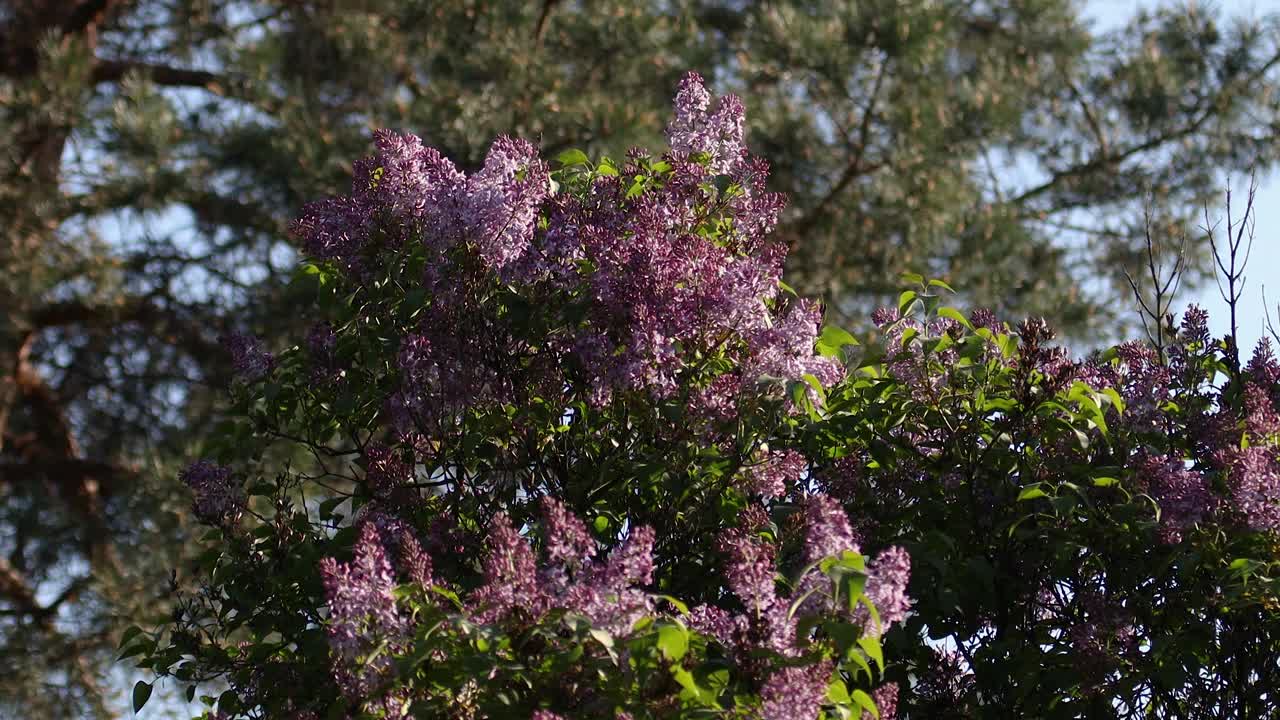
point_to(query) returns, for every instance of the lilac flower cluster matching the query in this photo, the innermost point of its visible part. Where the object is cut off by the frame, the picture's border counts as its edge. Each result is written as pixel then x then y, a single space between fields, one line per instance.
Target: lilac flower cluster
pixel 1255 485
pixel 697 128
pixel 385 471
pixel 887 577
pixel 795 693
pixel 1102 635
pixel 677 271
pixel 1143 382
pixel 947 683
pixel 767 621
pixel 886 700
pixel 219 499
pixel 907 363
pixel 366 628
pixel 1254 470
pixel 775 472
pixel 1184 495
pixel 608 593
pixel 248 358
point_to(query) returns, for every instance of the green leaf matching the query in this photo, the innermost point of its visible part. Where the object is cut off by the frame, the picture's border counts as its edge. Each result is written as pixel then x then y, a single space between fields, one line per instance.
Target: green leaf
pixel 328 506
pixel 1105 481
pixel 911 278
pixel 141 694
pixel 673 641
pixel 943 285
pixel 692 690
pixel 1031 492
pixel 904 301
pixel 677 603
pixel 837 692
pixel 832 340
pixel 130 633
pixel 871 646
pixel 572 157
pixel 951 313
pixel 604 638
pixel 865 702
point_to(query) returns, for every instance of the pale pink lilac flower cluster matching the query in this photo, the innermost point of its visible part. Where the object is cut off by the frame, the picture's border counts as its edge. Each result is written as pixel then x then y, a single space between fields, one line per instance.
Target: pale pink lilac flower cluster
pixel 1143 382
pixel 777 470
pixel 1255 485
pixel 219 498
pixel 1102 634
pixel 908 363
pixel 1254 471
pixel 385 471
pixel 697 128
pixel 947 683
pixel 887 577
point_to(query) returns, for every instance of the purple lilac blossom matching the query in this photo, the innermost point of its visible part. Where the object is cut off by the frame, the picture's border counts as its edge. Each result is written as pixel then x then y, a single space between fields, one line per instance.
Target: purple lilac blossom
pixel 660 290
pixel 502 200
pixel 1263 366
pixel 786 349
pixel 795 693
pixel 828 533
pixel 1255 486
pixel 362 616
pixel 219 499
pixel 1184 495
pixel 511 576
pixel 608 593
pixel 1260 417
pixel 1101 635
pixel 698 129
pixel 774 472
pixel 887 578
pixel 886 700
pixel 250 361
pixel 384 470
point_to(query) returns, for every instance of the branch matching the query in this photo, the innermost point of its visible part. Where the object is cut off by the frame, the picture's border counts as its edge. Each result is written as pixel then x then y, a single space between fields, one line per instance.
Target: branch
pixel 1104 159
pixel 14 588
pixel 110 71
pixel 74 312
pixel 855 166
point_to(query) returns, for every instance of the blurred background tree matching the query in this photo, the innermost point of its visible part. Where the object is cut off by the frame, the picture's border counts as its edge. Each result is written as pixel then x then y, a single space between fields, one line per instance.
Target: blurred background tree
pixel 156 150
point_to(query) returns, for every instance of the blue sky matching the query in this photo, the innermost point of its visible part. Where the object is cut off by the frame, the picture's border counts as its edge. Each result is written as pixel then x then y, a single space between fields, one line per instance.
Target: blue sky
pixel 1264 263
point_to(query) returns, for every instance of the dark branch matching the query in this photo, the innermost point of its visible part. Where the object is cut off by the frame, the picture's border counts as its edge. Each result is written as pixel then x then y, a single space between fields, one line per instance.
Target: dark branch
pixel 110 71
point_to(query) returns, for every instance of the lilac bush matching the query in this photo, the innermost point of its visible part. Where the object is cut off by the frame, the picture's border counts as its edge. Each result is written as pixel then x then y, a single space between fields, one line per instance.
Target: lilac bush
pixel 561 443
pixel 1087 538
pixel 537 456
